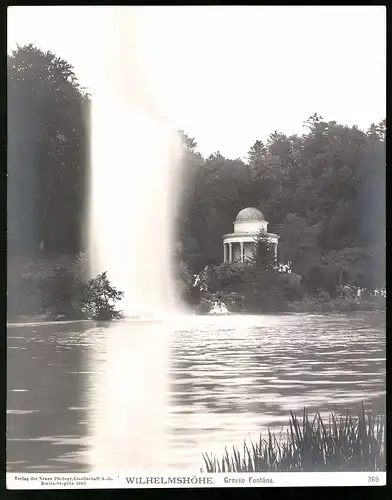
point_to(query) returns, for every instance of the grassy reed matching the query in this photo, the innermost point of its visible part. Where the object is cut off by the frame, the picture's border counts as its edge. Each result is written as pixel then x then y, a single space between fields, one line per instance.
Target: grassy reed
pixel 345 443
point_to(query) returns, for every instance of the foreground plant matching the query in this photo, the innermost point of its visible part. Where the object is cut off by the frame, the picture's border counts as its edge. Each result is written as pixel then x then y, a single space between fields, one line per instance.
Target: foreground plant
pixel 345 443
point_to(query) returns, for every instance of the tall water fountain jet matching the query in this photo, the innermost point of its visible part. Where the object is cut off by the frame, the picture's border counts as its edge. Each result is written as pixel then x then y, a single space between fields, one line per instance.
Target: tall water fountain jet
pixel 133 170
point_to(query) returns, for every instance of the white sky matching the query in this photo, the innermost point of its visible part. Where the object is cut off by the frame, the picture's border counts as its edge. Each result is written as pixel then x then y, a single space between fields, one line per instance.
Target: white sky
pixel 231 75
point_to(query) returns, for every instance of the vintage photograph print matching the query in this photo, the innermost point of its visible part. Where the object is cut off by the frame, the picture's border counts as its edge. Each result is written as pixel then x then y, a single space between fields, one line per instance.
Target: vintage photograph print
pixel 196 285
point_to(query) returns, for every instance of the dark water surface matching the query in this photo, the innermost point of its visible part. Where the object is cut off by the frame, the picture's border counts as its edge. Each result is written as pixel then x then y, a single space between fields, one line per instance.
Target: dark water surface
pixel 134 396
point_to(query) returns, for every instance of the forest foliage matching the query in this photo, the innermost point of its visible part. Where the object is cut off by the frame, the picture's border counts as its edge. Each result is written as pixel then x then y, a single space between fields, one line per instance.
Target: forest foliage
pixel 322 192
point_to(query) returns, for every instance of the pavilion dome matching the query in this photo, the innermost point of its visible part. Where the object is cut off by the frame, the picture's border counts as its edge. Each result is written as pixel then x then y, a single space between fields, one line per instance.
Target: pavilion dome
pixel 249 214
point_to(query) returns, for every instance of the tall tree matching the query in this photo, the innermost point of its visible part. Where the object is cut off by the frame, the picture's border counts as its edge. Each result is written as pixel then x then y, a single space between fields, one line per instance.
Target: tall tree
pixel 263 253
pixel 47 153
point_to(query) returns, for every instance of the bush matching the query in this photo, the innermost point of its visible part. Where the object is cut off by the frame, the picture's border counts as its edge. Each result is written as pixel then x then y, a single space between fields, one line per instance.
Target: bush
pixel 100 298
pixel 32 283
pixel 251 288
pixel 225 277
pixel 247 288
pixel 323 303
pixel 184 281
pixel 23 296
pixel 57 287
pixel 232 300
pixel 62 294
pixel 264 292
pixel 345 443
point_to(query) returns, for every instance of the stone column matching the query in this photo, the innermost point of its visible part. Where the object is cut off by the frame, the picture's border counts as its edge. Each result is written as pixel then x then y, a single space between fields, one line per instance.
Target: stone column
pixel 230 252
pixel 224 252
pixel 276 251
pixel 242 251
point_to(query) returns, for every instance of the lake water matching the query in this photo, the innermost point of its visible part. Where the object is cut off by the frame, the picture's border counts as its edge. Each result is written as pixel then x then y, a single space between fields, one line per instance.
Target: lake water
pixel 142 396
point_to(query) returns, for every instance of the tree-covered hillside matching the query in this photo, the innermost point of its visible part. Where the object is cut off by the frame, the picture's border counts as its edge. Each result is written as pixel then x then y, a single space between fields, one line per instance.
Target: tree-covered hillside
pixel 322 192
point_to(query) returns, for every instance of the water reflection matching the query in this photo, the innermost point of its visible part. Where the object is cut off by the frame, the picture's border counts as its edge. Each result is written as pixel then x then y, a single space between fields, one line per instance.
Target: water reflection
pixel 45 407
pixel 142 396
pixel 127 397
pixel 232 381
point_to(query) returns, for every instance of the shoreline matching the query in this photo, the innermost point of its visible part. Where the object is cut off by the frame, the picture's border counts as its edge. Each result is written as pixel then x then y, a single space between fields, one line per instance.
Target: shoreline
pixel 37 322
pixel 48 322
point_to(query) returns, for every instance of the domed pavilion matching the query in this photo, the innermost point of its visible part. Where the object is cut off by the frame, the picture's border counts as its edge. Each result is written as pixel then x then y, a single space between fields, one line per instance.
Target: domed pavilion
pixel 238 246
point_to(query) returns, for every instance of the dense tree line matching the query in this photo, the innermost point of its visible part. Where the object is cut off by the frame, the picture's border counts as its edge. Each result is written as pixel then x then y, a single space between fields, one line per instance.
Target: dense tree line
pixel 47 154
pixel 322 192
